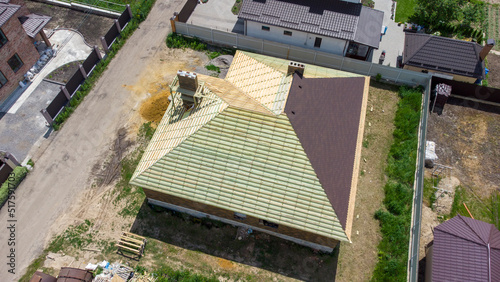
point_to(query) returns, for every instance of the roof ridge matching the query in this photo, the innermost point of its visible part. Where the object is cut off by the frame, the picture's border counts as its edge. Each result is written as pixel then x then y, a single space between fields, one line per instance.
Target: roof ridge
pixel 473 230
pixel 138 172
pixel 419 47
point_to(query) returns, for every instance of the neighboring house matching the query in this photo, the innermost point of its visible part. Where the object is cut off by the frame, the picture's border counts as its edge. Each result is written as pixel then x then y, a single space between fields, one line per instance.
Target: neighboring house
pixel 18 32
pixel 335 26
pixel 453 59
pixel 463 249
pixel 266 148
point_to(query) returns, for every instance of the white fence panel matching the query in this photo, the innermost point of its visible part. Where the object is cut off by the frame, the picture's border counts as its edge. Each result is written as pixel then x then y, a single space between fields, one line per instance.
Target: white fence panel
pixel 412 77
pixel 224 38
pixel 301 55
pixel 356 66
pixel 328 60
pixel 200 32
pixel 275 49
pixel 249 43
pixel 386 72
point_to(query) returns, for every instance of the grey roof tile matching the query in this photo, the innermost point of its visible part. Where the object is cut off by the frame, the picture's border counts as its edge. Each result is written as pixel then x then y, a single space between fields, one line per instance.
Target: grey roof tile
pixel 443 54
pixel 336 18
pixel 7 11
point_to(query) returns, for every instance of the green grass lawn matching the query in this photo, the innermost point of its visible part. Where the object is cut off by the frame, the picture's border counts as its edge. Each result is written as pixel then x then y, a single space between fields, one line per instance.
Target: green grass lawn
pixel 404 9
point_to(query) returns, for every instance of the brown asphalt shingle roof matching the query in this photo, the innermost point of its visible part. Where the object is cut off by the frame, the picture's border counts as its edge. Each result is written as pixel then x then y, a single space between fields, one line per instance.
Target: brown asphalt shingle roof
pixel 325 114
pixel 7 11
pixel 443 54
pixel 466 249
pixel 334 18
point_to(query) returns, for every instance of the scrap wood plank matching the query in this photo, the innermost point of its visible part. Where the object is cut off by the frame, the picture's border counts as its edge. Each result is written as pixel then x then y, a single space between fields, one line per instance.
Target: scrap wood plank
pixel 131 240
pixel 134 235
pixel 129 249
pixel 129 244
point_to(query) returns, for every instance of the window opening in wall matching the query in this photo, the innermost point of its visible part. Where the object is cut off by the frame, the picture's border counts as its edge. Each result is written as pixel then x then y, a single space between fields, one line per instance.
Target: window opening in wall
pixel 3 80
pixel 317 42
pixel 240 216
pixel 288 33
pixel 266 28
pixel 3 38
pixel 15 63
pixel 268 223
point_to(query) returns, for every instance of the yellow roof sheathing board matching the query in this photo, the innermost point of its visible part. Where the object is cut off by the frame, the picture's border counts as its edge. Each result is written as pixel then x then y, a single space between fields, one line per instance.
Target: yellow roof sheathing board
pixel 250 163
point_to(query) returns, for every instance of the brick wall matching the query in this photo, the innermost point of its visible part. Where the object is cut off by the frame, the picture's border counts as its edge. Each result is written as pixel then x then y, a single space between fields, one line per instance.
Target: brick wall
pixel 253 221
pixel 20 43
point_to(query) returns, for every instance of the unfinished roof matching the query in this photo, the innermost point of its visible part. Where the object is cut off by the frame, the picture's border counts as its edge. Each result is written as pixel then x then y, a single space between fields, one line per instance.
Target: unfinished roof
pixel 257 162
pixel 436 53
pixel 339 19
pixel 7 11
pixel 466 249
pixel 34 23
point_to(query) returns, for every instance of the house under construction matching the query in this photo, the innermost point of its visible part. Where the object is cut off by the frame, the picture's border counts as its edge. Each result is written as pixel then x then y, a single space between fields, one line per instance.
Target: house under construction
pixel 275 146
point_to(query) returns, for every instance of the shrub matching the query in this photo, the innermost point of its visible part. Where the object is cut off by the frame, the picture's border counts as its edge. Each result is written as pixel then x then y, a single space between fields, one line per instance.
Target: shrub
pixel 15 178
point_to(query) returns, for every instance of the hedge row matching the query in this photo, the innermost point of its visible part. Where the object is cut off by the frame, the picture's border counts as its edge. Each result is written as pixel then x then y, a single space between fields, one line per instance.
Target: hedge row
pixel 15 178
pixel 395 217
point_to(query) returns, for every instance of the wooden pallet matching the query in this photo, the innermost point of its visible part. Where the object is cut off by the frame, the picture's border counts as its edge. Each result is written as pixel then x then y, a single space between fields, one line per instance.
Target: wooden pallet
pixel 131 243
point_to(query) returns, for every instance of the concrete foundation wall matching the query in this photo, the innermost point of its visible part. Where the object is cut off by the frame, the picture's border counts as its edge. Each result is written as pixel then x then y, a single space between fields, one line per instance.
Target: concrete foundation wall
pixel 201 210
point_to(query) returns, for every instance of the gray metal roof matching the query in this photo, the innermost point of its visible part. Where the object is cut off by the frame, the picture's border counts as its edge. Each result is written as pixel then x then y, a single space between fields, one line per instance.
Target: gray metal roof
pixel 466 249
pixel 33 23
pixel 7 11
pixel 443 54
pixel 336 18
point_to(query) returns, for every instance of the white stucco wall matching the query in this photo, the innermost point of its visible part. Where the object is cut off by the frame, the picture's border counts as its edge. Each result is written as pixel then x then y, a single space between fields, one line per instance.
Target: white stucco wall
pixel 298 38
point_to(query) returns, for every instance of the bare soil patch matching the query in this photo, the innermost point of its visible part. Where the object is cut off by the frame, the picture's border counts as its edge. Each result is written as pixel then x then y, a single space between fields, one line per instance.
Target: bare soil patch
pixel 494 67
pixel 357 259
pixel 91 26
pixel 467 139
pixel 64 73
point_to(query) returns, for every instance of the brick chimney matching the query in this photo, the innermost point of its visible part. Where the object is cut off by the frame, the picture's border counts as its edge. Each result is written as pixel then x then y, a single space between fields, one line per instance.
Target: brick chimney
pixel 187 80
pixel 486 49
pixel 295 67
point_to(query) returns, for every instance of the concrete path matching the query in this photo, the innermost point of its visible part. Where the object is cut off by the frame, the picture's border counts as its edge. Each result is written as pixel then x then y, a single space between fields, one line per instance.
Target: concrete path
pixel 21 123
pixel 217 14
pixel 394 39
pixel 71 47
pixel 63 163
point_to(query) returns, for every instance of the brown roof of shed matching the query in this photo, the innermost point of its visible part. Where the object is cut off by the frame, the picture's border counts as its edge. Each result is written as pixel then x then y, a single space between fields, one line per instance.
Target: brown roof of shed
pixel 327 115
pixel 466 249
pixel 443 54
pixel 42 277
pixel 69 274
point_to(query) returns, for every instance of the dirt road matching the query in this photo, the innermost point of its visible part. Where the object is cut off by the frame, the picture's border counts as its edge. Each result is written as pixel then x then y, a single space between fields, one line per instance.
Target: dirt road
pixel 64 162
